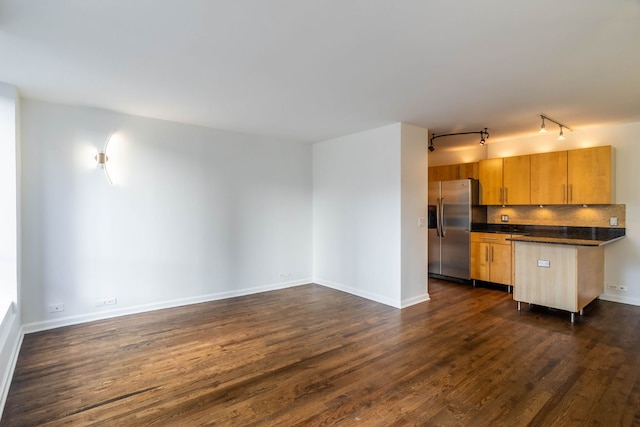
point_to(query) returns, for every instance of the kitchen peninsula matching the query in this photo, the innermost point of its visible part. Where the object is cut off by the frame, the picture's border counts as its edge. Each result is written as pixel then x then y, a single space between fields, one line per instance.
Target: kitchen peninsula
pixel 561 268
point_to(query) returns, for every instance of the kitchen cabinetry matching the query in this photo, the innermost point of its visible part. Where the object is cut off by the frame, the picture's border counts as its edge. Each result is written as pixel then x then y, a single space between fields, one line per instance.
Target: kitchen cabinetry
pixel 505 181
pixel 549 178
pixel 468 170
pixel 491 258
pixel 443 173
pixel 453 172
pixel 565 277
pixel 582 176
pixel 589 176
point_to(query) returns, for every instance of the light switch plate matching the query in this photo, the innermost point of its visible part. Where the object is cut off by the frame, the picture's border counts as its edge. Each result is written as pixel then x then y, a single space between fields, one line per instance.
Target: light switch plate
pixel 504 218
pixel 544 263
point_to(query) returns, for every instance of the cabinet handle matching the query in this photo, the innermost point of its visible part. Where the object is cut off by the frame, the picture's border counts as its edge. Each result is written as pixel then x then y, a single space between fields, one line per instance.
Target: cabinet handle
pixel 491 253
pixel 489 238
pixel 506 195
pixel 563 191
pixel 486 254
pixel 500 197
pixel 570 193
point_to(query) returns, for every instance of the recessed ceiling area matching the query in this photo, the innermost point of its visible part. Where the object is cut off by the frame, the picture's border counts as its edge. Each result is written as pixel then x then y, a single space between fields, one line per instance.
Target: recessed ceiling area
pixel 317 69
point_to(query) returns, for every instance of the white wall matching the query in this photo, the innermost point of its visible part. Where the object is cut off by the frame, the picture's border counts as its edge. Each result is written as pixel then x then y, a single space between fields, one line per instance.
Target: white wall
pixel 360 243
pixel 622 265
pixel 356 212
pixel 197 214
pixel 414 206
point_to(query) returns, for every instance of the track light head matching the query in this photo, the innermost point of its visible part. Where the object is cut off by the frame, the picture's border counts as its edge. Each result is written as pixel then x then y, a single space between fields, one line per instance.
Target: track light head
pixel 483 134
pixel 543 129
pixel 431 147
pixel 561 136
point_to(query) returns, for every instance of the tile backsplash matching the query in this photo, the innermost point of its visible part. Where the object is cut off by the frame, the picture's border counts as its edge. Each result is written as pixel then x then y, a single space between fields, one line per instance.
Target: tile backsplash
pixel 559 215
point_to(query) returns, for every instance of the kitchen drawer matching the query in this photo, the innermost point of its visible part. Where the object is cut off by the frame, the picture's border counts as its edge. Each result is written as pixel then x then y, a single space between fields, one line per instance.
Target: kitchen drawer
pixel 500 238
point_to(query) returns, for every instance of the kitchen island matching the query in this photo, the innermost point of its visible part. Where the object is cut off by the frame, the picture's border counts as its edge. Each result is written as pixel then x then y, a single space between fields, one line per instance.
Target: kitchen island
pixel 563 271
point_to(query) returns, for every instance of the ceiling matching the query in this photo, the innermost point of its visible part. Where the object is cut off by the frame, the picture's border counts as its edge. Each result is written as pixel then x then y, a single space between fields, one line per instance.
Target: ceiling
pixel 311 70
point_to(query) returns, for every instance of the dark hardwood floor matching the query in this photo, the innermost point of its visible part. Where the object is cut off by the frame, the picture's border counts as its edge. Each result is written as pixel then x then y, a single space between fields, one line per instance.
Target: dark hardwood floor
pixel 315 356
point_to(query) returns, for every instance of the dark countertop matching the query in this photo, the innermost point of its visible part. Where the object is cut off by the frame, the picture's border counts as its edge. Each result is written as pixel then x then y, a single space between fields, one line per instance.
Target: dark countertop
pixel 581 236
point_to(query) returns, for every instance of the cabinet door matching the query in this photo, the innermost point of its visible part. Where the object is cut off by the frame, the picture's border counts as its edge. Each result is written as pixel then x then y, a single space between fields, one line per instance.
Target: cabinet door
pixel 468 170
pixel 443 173
pixel 549 178
pixel 480 261
pixel 500 257
pixel 589 175
pixel 490 174
pixel 517 180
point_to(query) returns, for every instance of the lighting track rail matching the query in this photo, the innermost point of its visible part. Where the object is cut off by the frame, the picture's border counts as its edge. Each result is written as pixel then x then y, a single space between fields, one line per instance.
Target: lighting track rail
pixel 483 136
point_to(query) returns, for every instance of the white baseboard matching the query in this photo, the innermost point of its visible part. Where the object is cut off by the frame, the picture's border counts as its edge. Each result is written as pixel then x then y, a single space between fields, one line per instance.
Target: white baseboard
pixel 359 292
pixel 90 317
pixel 373 297
pixel 415 300
pixel 620 299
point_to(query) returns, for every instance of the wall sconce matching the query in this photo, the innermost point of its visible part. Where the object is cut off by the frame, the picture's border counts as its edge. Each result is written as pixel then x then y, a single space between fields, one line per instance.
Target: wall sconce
pixel 543 129
pixel 102 159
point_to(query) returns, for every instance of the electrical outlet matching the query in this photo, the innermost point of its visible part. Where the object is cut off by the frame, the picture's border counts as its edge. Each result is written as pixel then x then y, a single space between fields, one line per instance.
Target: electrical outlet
pixel 285 275
pixel 55 308
pixel 421 222
pixel 544 263
pixel 617 287
pixel 504 218
pixel 106 301
pixel 613 221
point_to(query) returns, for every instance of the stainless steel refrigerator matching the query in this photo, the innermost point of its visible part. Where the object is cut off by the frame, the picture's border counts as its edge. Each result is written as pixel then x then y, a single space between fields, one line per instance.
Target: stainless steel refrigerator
pixel 453 210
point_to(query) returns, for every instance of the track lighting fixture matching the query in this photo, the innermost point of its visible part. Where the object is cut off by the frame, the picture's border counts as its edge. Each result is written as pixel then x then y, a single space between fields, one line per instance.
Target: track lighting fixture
pixel 562 126
pixel 484 135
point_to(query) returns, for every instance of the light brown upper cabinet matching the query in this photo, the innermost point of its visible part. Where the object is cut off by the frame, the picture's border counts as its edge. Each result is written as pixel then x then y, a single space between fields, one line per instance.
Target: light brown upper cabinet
pixel 549 178
pixel 468 170
pixel 443 173
pixel 451 172
pixel 490 172
pixel 577 177
pixel 505 181
pixel 589 176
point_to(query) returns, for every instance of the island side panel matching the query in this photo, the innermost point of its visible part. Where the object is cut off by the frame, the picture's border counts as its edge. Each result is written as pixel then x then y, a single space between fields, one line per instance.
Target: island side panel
pixel 590 274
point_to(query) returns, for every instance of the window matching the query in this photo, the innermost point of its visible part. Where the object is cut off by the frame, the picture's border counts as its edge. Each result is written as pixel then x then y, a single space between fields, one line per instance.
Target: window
pixel 8 199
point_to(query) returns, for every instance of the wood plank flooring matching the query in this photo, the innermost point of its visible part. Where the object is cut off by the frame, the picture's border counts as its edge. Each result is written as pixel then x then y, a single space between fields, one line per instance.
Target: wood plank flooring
pixel 315 356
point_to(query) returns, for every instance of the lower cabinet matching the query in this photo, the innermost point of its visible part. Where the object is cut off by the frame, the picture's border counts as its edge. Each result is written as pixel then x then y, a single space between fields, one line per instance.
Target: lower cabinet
pixel 566 277
pixel 491 258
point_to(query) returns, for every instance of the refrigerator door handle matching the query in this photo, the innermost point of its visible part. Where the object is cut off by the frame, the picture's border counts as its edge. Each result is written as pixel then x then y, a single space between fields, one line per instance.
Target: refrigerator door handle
pixel 443 231
pixel 438 231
